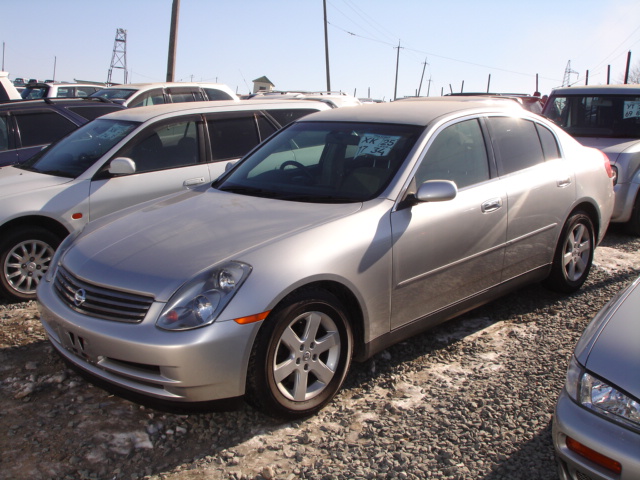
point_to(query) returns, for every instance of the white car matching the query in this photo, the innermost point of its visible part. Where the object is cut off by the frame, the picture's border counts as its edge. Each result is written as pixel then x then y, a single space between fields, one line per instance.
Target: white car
pixel 146 94
pixel 58 90
pixel 116 161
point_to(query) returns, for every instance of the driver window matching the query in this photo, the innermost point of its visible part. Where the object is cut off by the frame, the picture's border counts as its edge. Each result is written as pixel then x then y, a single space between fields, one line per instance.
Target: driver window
pixel 170 145
pixel 458 153
pixel 152 97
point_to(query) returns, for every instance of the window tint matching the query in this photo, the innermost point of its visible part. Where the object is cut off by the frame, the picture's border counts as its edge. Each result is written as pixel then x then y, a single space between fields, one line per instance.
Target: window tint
pixel 232 137
pixel 42 128
pixel 165 146
pixel 182 95
pixel 85 91
pixel 549 143
pixel 215 94
pixel 152 97
pixel 286 116
pixel 65 92
pixel 4 134
pixel 458 153
pixel 91 112
pixel 516 143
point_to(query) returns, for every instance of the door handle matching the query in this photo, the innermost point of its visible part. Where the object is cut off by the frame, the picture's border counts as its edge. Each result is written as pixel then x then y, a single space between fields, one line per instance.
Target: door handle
pixel 563 182
pixel 193 181
pixel 491 205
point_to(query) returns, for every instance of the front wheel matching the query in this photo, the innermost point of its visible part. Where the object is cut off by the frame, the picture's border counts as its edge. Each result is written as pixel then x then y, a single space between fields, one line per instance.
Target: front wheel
pixel 25 256
pixel 301 356
pixel 574 255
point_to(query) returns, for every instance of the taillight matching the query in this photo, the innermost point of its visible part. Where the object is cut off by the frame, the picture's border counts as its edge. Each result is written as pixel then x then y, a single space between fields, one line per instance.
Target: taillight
pixel 612 172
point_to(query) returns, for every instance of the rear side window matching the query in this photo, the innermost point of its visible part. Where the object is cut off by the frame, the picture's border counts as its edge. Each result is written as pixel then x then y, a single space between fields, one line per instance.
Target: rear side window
pixel 42 128
pixel 286 116
pixel 214 94
pixel 516 143
pixel 93 111
pixel 185 94
pixel 549 143
pixel 232 137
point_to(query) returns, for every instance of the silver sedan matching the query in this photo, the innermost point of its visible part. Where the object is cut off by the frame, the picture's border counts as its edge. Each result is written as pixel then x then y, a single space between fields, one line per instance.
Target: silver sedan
pixel 596 428
pixel 341 235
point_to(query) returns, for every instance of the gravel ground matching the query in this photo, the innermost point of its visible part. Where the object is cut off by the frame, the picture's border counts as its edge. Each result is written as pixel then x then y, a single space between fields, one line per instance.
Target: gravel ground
pixel 471 399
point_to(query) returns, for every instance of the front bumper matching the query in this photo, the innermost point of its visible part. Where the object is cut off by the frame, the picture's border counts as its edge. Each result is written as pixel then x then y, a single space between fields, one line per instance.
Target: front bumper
pixel 597 433
pixel 208 363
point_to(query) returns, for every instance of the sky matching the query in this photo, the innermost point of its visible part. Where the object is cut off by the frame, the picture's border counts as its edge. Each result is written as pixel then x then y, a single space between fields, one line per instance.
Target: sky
pixel 508 46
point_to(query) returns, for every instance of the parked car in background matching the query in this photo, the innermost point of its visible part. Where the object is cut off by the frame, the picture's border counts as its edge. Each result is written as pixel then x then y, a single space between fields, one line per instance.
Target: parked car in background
pixel 27 126
pixel 528 102
pixel 116 161
pixel 146 94
pixel 19 82
pixel 8 90
pixel 606 117
pixel 596 426
pixel 58 90
pixel 347 231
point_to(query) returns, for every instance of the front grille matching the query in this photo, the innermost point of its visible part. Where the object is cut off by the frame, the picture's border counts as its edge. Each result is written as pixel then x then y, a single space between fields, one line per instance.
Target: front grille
pixel 582 476
pixel 100 302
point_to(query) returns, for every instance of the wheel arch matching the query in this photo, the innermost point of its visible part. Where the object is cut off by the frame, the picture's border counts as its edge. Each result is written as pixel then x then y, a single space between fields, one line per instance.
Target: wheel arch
pixel 594 215
pixel 50 224
pixel 349 301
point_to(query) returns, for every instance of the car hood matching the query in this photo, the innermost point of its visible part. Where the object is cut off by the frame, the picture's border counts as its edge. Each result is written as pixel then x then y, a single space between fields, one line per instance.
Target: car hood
pixel 612 147
pixel 159 246
pixel 614 349
pixel 15 180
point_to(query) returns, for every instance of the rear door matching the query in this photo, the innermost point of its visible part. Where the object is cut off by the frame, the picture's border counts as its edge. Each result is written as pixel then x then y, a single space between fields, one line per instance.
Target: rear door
pixel 540 189
pixel 445 252
pixel 169 157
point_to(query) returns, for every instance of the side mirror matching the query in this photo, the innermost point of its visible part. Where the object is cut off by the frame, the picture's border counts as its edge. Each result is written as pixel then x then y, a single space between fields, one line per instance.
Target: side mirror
pixel 122 166
pixel 436 191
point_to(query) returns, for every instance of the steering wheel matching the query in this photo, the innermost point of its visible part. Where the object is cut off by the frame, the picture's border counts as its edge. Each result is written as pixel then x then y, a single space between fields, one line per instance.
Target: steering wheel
pixel 298 165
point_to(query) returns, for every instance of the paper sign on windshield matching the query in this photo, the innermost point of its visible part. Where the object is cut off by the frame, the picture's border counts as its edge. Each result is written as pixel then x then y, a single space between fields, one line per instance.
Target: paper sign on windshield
pixel 376 145
pixel 631 109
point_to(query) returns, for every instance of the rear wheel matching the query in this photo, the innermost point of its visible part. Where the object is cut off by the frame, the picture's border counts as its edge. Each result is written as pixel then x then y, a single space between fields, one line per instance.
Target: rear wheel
pixel 25 257
pixel 574 255
pixel 633 225
pixel 301 356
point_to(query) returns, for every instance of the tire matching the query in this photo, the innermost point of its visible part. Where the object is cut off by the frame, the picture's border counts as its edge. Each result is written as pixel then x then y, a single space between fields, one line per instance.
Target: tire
pixel 25 255
pixel 633 225
pixel 574 255
pixel 300 357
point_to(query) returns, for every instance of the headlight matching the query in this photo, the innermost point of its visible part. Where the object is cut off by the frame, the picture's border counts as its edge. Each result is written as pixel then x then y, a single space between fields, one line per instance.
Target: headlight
pixel 602 398
pixel 199 302
pixel 60 251
pixel 609 401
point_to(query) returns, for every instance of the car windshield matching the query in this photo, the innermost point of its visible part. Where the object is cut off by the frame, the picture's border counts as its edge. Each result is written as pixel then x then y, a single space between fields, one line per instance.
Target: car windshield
pixel 324 162
pixel 616 116
pixel 76 152
pixel 113 93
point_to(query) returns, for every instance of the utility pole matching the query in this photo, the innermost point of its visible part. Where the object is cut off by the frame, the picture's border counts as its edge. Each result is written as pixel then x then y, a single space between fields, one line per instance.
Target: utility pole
pixel 424 66
pixel 626 72
pixel 173 41
pixel 326 45
pixel 395 90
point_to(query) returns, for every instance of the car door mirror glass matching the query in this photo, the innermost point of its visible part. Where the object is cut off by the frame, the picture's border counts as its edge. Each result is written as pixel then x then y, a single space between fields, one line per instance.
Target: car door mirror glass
pixel 122 166
pixel 436 191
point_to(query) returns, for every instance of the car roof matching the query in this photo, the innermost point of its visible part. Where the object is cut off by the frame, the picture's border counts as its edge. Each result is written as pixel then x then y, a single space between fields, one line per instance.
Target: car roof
pixel 598 89
pixel 141 86
pixel 61 102
pixel 416 111
pixel 143 114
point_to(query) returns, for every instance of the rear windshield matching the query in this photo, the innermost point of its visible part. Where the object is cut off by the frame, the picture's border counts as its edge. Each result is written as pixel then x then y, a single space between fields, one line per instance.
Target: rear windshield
pixel 616 116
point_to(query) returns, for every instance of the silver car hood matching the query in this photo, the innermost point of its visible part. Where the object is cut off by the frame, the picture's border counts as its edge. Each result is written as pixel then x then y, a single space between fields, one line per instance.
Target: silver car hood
pixel 614 350
pixel 612 147
pixel 159 246
pixel 15 180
